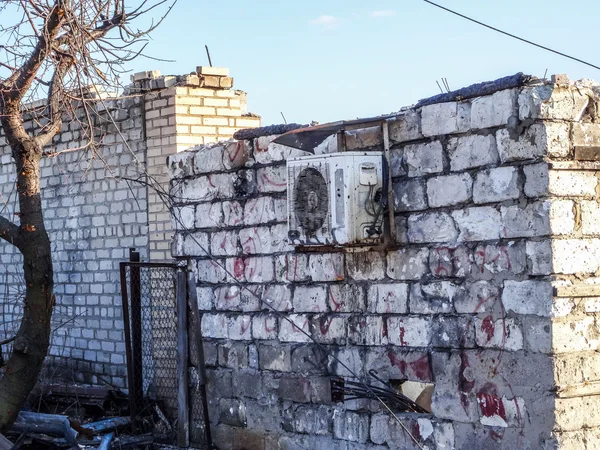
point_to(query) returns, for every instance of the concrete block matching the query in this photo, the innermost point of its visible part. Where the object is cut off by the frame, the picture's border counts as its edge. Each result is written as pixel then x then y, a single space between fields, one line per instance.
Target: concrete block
pixel 449 190
pixel 272 179
pixel 351 426
pixel 310 299
pixel 224 243
pixel 407 264
pixel 477 224
pixel 445 118
pixel 536 179
pixel 179 164
pixel 431 227
pixel 494 110
pixel 473 151
pixel 236 154
pixel 364 138
pixel 365 266
pixel 274 357
pixel 329 329
pixel 571 183
pixel 259 269
pixel 367 330
pixel 507 258
pixel 421 159
pixel 538 140
pixel 388 298
pixel 314 420
pixel 552 102
pixel 496 185
pixel 539 257
pixel 240 327
pixel 214 326
pixel 215 71
pixel 531 221
pixel 530 297
pixel 264 326
pixel 259 210
pixel 405 127
pixel 296 329
pixel 409 331
pixel 409 195
pixel 208 215
pixel 233 213
pixel 278 296
pixel 502 333
pixel 450 261
pixel 228 298
pixel 346 298
pixel 478 297
pixel 208 159
pixel 326 267
pixel 433 298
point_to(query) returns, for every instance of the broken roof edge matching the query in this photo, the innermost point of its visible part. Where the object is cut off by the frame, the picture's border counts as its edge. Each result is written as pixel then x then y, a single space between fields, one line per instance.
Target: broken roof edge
pixel 481 89
pixel 269 130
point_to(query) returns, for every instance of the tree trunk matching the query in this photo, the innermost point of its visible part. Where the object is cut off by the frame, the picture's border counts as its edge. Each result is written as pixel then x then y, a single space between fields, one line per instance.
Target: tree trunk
pixel 32 340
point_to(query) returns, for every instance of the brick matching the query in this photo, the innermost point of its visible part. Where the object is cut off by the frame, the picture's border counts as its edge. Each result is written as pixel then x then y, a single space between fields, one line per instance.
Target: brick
pixel 477 224
pixel 431 227
pixel 215 71
pixel 449 190
pixel 571 256
pixel 494 110
pixel 496 185
pixel 445 118
pixel 409 195
pixel 422 159
pixel 469 152
pixel 562 217
pixel 590 218
pixel 407 264
pixel 570 183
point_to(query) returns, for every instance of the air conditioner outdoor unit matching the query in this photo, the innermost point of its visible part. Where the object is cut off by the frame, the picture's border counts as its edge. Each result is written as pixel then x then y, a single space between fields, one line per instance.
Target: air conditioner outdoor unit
pixel 336 199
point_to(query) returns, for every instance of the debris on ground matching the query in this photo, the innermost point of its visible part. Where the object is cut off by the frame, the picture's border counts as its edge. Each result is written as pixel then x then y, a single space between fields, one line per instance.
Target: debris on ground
pixel 85 417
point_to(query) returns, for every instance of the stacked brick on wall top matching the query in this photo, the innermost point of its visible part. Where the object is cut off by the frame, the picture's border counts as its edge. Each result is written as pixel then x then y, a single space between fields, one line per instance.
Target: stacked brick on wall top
pixel 494 213
pixel 94 215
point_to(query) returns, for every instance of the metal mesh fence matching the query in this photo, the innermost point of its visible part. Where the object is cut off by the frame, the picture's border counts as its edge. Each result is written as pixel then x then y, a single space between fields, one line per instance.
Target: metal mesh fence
pixel 152 336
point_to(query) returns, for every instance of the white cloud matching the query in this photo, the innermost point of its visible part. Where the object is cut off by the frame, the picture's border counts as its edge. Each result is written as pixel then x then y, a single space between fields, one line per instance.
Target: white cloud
pixel 383 13
pixel 326 21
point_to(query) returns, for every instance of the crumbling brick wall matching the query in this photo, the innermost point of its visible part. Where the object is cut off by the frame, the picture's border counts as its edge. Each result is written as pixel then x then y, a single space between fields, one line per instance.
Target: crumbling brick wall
pixel 94 216
pixel 493 214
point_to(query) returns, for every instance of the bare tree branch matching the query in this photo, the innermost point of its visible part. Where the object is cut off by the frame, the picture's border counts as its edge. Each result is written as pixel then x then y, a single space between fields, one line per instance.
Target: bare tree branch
pixel 9 232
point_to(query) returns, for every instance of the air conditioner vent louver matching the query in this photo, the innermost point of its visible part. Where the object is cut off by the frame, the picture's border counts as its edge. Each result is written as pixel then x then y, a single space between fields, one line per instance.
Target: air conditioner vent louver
pixel 311 200
pixel 332 199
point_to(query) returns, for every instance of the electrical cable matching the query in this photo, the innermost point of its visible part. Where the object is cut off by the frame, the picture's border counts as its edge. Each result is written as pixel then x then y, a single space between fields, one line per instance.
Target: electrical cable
pixel 513 35
pixel 166 198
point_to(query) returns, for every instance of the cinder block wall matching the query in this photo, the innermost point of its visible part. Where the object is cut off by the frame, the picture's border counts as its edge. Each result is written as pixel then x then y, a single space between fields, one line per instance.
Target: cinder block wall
pixel 493 214
pixel 94 216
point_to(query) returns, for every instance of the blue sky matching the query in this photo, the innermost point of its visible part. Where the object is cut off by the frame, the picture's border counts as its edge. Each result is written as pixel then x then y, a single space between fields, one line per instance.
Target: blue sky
pixel 332 59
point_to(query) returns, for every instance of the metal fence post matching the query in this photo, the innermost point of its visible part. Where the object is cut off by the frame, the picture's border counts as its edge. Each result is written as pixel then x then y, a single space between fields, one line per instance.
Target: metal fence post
pixel 136 335
pixel 183 430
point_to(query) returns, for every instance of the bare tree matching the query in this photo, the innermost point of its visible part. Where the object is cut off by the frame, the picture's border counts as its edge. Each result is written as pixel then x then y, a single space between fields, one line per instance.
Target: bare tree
pixel 53 49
